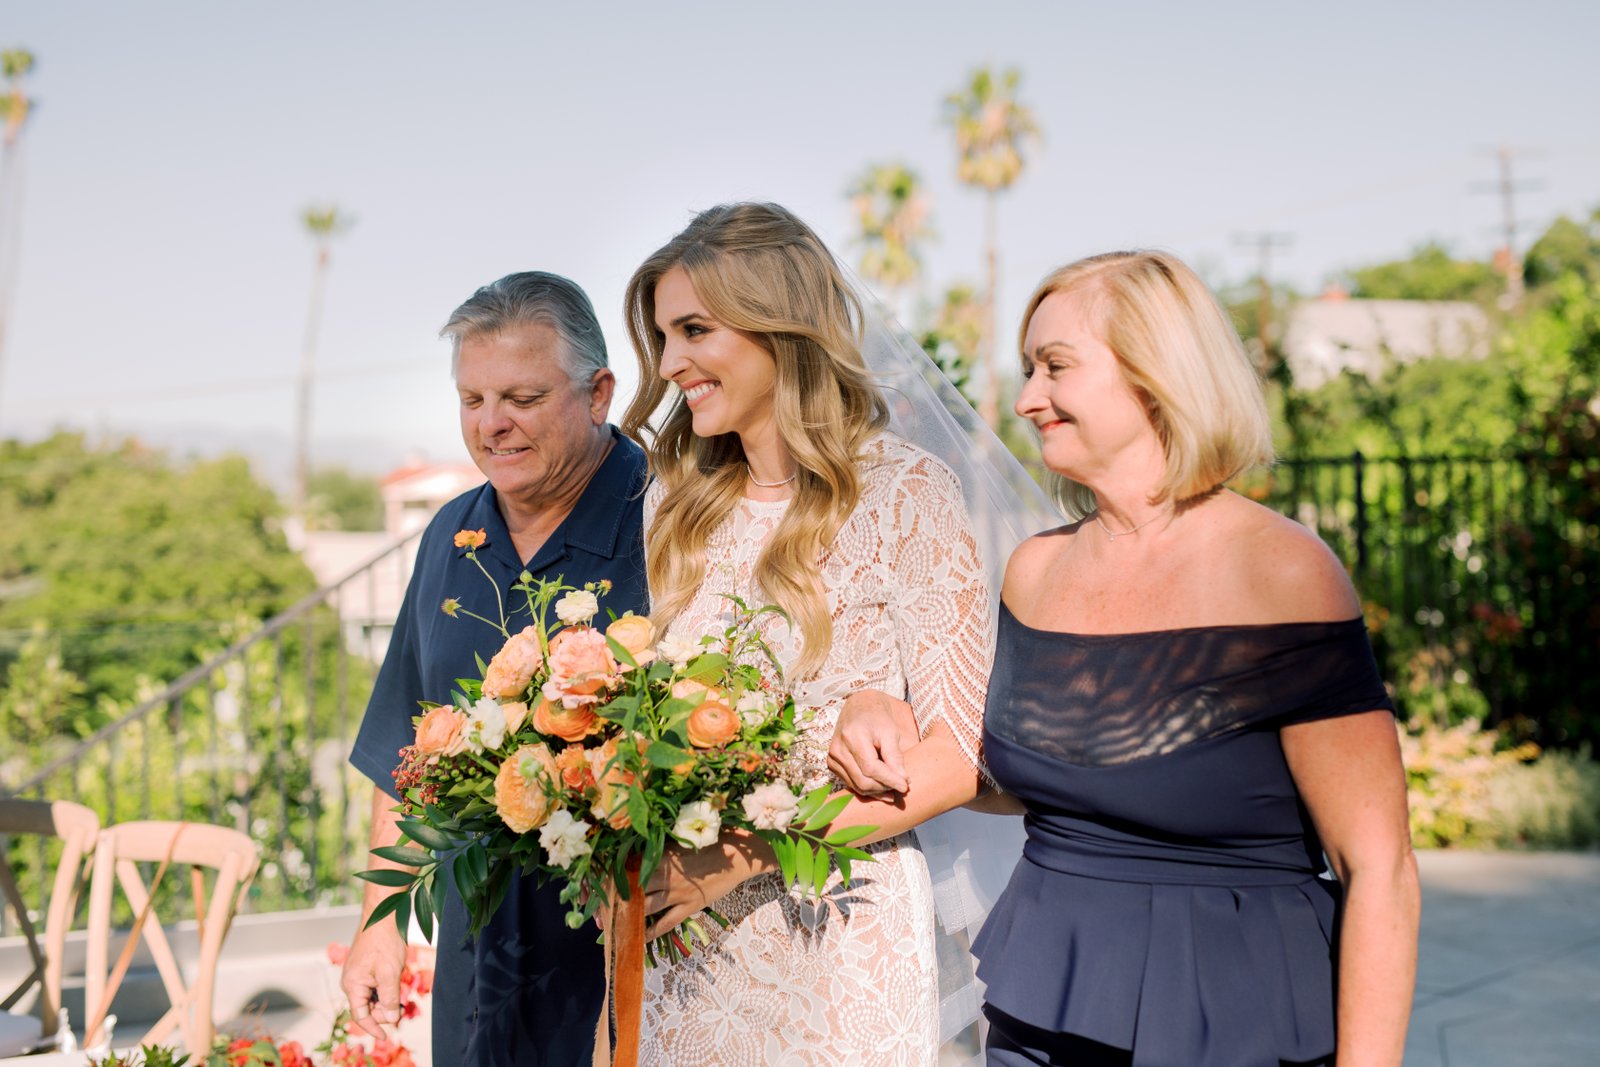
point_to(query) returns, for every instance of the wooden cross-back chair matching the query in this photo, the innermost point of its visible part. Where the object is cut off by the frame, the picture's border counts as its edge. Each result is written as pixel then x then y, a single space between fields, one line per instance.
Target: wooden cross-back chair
pixel 77 827
pixel 199 847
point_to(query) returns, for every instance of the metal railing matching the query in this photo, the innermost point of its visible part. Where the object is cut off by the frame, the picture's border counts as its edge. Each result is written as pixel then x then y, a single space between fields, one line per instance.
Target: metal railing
pixel 1481 570
pixel 256 738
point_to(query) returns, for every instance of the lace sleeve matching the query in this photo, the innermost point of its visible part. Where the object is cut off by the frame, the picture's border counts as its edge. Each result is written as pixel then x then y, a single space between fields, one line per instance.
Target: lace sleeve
pixel 942 618
pixel 652 502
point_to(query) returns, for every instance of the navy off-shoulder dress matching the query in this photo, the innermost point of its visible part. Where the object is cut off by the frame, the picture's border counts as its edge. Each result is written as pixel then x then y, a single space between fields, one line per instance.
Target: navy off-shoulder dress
pixel 1170 908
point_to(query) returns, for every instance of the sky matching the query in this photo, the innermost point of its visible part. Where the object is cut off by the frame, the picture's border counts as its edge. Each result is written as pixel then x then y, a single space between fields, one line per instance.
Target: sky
pixel 163 274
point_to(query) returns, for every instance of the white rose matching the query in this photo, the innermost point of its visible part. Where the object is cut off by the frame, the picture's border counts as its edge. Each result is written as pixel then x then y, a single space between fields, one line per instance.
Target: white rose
pixel 698 824
pixel 486 725
pixel 576 607
pixel 564 839
pixel 677 651
pixel 771 806
pixel 753 709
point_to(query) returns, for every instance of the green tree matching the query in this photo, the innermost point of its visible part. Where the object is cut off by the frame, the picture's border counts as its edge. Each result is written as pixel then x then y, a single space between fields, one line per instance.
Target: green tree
pixel 992 129
pixel 954 334
pixel 132 561
pixel 1429 273
pixel 344 500
pixel 892 214
pixel 323 224
pixel 1567 247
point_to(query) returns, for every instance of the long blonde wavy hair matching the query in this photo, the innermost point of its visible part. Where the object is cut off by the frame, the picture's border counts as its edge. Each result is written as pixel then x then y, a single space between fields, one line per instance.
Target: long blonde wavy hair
pixel 757 268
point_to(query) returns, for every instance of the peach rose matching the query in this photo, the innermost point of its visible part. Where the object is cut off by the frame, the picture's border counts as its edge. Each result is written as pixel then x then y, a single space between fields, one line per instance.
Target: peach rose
pixel 442 732
pixel 516 714
pixel 519 788
pixel 634 633
pixel 569 724
pixel 713 723
pixel 581 666
pixel 572 764
pixel 611 801
pixel 513 667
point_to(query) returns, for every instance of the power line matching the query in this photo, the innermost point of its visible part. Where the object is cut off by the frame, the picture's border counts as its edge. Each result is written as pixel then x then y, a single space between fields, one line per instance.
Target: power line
pixel 1506 188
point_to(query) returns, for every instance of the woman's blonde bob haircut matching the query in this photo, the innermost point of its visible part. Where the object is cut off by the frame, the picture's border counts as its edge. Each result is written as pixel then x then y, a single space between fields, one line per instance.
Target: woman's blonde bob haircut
pixel 1181 355
pixel 759 269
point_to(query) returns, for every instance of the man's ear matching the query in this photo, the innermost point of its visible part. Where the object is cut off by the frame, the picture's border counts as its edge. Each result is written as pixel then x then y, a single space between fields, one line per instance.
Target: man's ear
pixel 602 387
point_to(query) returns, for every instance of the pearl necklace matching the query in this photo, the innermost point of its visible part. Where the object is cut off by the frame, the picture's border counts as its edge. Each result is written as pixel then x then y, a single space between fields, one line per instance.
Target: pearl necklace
pixel 1110 536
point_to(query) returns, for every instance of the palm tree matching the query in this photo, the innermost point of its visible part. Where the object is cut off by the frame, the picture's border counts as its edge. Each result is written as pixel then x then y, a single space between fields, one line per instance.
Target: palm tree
pixel 323 223
pixel 15 107
pixel 893 215
pixel 991 130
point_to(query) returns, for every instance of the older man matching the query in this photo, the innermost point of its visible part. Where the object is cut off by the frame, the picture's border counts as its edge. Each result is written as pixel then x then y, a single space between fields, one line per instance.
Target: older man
pixel 564 497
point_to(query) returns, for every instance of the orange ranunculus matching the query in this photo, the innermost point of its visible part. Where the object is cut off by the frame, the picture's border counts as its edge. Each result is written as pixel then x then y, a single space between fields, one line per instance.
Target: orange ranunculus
pixel 636 634
pixel 750 762
pixel 581 666
pixel 512 668
pixel 713 722
pixel 293 1054
pixel 572 764
pixel 471 539
pixel 519 795
pixel 442 732
pixel 569 724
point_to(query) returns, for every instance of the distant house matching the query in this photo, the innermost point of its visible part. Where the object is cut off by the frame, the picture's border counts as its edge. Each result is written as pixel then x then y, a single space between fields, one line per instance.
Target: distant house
pixel 1335 333
pixel 368 604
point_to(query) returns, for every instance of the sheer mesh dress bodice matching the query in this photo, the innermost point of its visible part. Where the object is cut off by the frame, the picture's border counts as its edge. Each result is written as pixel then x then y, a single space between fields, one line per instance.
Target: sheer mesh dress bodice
pixel 1168 901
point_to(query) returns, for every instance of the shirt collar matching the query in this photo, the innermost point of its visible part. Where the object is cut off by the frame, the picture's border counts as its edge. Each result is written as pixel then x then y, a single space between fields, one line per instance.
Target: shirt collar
pixel 595 523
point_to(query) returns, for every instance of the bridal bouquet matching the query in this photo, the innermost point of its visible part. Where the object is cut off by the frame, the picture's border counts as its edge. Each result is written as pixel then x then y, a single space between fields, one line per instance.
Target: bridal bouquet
pixel 582 750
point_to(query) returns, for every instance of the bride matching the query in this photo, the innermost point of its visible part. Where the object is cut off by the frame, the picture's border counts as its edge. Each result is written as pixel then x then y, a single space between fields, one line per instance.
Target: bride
pixel 776 480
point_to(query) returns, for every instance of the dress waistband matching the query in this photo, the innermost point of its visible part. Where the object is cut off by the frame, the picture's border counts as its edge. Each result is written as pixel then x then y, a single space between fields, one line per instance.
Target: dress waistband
pixel 1160 870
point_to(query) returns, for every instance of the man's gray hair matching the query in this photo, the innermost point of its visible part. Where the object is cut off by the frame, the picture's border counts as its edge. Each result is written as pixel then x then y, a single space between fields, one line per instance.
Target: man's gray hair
pixel 533 297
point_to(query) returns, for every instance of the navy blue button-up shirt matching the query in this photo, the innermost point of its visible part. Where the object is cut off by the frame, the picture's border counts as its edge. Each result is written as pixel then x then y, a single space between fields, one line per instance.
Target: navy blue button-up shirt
pixel 527 990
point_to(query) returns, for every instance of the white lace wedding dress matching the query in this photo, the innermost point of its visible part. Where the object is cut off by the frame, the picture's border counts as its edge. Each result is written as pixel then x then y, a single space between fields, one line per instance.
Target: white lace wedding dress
pixel 852 979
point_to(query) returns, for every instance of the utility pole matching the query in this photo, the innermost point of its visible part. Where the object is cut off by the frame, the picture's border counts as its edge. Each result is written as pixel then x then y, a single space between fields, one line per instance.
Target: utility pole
pixel 1506 188
pixel 1263 243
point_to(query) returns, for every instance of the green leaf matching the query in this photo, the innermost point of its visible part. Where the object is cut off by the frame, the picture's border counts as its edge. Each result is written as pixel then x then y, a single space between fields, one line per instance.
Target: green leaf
pixel 638 810
pixel 846 834
pixel 783 848
pixel 480 861
pixel 410 857
pixel 843 863
pixel 424 911
pixel 708 666
pixel 661 754
pixel 389 906
pixel 852 854
pixel 805 860
pixel 461 869
pixel 819 874
pixel 621 652
pixel 810 803
pixel 385 876
pixel 427 836
pixel 483 668
pixel 820 818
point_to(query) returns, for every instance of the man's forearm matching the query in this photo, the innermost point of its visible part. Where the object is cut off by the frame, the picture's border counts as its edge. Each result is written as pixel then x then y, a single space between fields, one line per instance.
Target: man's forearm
pixel 385 831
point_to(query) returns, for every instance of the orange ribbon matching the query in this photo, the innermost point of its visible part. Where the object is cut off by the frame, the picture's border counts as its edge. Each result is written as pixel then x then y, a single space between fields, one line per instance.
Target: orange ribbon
pixel 624 977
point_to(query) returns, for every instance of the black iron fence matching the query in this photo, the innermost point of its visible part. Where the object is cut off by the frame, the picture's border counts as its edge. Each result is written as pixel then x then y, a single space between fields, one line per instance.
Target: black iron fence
pixel 1479 577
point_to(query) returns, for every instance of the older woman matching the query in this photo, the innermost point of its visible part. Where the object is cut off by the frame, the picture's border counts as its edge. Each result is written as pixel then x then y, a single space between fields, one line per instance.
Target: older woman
pixel 1185 706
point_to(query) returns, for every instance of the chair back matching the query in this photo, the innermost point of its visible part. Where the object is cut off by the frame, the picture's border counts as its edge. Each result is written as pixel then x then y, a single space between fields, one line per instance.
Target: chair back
pixel 78 828
pixel 173 846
